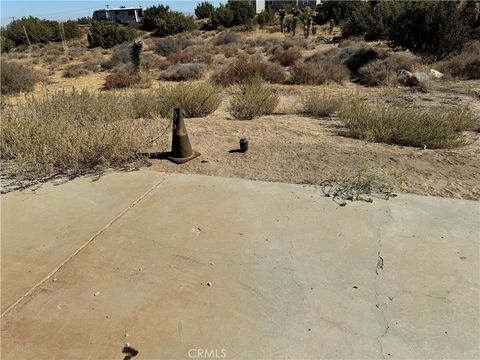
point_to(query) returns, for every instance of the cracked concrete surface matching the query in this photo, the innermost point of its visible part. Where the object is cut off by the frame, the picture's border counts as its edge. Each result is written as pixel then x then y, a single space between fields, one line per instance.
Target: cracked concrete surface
pixel 291 274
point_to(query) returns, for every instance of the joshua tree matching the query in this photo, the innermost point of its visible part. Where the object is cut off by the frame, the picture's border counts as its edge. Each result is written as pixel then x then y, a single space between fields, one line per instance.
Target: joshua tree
pixel 296 14
pixel 306 17
pixel 135 54
pixel 282 13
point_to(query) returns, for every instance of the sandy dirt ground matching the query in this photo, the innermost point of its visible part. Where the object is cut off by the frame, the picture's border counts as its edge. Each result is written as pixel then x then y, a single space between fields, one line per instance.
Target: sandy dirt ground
pixel 287 147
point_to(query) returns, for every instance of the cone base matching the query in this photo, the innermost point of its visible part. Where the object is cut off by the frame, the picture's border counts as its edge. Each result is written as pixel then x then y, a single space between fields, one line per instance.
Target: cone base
pixel 183 160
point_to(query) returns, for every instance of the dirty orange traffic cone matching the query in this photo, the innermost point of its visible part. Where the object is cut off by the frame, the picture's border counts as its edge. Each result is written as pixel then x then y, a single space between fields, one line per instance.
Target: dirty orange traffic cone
pixel 181 148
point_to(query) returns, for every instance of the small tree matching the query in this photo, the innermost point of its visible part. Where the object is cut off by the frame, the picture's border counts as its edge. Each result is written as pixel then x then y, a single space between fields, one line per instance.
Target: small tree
pixel 108 35
pixel 266 17
pixel 431 29
pixel 204 10
pixel 242 11
pixel 222 16
pixel 135 54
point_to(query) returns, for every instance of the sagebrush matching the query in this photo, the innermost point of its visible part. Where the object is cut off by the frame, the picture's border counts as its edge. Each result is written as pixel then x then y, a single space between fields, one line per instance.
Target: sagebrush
pixel 73 133
pixel 432 129
pixel 253 98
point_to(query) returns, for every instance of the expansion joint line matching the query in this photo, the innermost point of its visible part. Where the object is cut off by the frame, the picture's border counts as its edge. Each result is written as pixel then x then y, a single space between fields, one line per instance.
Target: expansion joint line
pixel 76 252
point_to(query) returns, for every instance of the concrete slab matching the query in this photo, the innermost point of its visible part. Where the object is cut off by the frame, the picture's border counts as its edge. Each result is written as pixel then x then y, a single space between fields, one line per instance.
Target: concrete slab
pixel 42 228
pixel 291 275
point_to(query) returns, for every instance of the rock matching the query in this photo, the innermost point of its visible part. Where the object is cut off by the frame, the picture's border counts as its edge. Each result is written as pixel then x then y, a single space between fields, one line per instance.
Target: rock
pixel 421 77
pixel 434 74
pixel 407 78
pixel 97 293
pixel 209 283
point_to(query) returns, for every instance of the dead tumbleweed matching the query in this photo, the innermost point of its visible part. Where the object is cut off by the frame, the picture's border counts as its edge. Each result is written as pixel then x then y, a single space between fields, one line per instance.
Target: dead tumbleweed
pixel 362 185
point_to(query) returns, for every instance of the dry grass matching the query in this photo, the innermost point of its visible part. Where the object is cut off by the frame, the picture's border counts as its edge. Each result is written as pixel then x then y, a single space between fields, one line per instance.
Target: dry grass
pixel 318 73
pixel 385 71
pixel 82 69
pixel 183 72
pixel 465 65
pixel 128 80
pixel 253 98
pixel 196 99
pixel 73 133
pixel 287 57
pixel 245 67
pixel 17 78
pixel 418 128
pixel 321 104
pixel 226 38
pixel 170 45
pixel 194 54
pixel 362 183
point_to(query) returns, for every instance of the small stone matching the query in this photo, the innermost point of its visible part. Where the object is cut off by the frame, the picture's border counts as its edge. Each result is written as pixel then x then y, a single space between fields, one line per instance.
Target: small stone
pixel 97 293
pixel 126 335
pixel 54 279
pixel 212 263
pixel 355 287
pixel 127 344
pixel 209 283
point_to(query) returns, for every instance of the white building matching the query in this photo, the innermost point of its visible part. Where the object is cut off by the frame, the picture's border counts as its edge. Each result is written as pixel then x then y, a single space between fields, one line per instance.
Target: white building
pixel 260 5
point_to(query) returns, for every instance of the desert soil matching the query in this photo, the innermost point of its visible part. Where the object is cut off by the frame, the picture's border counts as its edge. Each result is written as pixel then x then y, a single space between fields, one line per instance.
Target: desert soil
pixel 287 147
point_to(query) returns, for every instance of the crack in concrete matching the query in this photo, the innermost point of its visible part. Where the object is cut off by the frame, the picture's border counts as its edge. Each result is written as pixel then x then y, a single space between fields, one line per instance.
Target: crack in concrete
pixel 76 252
pixel 379 266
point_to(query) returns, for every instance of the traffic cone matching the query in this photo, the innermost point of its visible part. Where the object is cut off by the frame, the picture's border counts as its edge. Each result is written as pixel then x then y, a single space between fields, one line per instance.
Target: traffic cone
pixel 181 148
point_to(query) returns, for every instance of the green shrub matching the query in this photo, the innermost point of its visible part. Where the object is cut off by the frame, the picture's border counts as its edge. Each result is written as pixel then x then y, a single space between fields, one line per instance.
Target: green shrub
pixel 252 99
pixel 107 35
pixel 266 17
pixel 242 12
pixel 5 44
pixel 204 10
pixel 236 12
pixel 409 127
pixel 336 11
pixel 222 16
pixel 321 104
pixel 163 22
pixel 195 99
pixel 16 78
pixel 429 28
pixel 84 20
pixel 39 31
